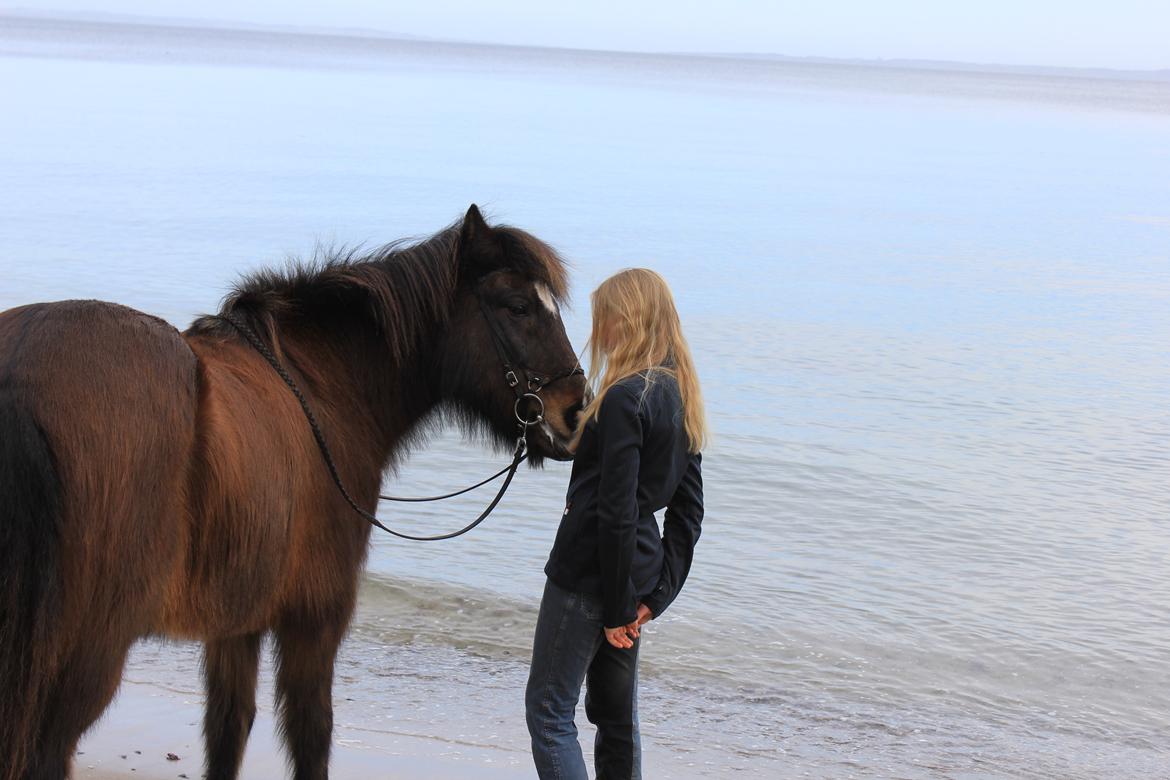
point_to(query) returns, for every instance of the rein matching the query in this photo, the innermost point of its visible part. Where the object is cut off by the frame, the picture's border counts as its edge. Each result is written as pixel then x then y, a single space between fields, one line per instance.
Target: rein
pixel 535 384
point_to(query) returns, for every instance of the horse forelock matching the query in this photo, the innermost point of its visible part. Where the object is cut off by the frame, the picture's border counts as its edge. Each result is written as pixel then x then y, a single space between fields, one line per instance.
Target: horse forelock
pixel 537 260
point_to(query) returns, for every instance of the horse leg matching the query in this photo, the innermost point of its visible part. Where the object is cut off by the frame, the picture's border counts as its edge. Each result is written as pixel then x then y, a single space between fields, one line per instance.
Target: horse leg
pixel 306 650
pixel 229 672
pixel 77 695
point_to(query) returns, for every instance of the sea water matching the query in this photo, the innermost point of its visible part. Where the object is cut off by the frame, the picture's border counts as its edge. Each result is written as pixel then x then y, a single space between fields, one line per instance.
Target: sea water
pixel 930 310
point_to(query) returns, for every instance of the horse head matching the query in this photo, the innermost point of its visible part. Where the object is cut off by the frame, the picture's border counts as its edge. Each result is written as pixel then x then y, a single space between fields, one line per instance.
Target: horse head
pixel 506 356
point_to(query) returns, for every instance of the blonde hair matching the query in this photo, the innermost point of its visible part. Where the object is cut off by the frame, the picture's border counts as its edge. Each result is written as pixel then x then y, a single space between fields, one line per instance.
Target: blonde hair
pixel 637 311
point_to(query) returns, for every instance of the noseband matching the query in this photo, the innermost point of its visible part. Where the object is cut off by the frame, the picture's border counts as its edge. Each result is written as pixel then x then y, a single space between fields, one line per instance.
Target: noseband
pixel 531 393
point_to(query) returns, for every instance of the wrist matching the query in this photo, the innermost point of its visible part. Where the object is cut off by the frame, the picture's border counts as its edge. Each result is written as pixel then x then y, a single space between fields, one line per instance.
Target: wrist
pixel 656 603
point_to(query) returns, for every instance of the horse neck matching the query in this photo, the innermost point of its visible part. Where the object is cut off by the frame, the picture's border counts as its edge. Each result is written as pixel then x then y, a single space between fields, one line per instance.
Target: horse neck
pixel 372 400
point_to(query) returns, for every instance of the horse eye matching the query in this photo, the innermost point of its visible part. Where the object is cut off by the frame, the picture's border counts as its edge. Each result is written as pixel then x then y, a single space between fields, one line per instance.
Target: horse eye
pixel 519 311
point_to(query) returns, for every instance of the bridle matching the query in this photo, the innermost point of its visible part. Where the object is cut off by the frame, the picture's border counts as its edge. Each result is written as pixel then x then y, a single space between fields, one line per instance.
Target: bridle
pixel 534 383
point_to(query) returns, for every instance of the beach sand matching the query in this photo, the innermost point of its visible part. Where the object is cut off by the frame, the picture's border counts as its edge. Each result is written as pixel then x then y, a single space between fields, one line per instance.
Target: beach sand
pixel 146 722
pixel 400 711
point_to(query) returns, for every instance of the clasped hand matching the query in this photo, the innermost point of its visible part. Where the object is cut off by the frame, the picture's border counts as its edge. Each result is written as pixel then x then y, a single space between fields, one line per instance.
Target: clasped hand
pixel 622 637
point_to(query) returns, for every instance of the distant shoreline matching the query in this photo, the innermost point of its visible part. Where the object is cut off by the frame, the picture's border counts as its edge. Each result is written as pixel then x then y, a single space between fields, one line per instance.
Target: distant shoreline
pixel 154 43
pixel 366 35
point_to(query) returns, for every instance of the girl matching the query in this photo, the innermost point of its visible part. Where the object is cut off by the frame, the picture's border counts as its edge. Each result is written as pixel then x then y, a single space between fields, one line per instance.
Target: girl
pixel 637 451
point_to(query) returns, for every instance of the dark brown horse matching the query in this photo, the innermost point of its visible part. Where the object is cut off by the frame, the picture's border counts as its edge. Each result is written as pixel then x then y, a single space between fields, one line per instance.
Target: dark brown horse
pixel 162 483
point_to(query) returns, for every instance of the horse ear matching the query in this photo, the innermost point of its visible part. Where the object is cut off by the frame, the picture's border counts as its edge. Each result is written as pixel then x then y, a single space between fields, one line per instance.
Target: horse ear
pixel 474 224
pixel 479 249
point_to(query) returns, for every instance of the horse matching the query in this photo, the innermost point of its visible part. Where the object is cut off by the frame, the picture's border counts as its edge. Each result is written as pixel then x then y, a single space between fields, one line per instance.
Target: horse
pixel 163 484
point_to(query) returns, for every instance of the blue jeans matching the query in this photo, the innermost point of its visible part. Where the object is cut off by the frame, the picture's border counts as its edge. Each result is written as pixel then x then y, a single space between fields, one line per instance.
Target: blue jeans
pixel 569 648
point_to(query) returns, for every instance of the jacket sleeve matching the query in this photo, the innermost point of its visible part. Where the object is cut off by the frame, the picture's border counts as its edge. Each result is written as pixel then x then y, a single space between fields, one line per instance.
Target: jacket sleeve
pixel 680 532
pixel 619 440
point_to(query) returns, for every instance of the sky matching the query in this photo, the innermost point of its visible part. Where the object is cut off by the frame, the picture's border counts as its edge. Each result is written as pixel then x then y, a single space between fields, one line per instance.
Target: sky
pixel 1127 34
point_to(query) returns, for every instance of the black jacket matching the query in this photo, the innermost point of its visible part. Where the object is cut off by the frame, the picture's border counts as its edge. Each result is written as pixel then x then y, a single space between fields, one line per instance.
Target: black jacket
pixel 631 462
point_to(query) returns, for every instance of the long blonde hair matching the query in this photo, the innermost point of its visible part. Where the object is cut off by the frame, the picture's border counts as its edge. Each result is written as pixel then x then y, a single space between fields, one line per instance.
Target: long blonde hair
pixel 635 308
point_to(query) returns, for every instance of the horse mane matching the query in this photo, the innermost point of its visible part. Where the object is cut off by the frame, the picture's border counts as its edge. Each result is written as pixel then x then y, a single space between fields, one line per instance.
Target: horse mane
pixel 405 287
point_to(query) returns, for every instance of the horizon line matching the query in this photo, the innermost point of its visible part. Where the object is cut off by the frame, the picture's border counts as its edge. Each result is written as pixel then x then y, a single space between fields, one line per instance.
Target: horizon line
pixel 371 33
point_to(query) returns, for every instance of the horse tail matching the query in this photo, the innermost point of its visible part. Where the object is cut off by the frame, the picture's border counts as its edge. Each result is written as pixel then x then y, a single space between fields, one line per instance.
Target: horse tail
pixel 30 529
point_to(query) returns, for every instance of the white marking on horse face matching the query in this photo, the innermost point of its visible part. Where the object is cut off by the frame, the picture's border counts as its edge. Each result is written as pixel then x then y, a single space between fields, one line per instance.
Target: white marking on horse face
pixel 545 296
pixel 547 431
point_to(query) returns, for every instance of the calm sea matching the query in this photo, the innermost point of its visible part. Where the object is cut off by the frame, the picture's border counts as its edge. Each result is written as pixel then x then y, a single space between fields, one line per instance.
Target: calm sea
pixel 931 312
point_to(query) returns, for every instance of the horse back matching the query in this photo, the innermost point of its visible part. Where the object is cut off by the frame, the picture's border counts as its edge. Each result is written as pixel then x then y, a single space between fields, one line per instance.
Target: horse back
pixel 193 501
pixel 112 393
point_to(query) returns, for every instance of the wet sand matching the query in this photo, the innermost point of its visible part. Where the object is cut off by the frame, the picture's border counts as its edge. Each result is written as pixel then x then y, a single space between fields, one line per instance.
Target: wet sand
pixel 147 722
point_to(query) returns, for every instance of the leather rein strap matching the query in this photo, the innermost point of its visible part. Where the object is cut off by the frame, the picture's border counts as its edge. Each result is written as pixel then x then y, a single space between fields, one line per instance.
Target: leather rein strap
pixel 535 384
